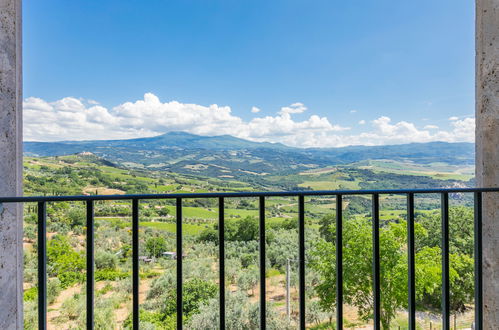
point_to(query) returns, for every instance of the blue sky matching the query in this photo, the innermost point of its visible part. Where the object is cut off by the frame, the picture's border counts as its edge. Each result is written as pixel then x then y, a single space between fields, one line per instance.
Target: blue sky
pixel 352 63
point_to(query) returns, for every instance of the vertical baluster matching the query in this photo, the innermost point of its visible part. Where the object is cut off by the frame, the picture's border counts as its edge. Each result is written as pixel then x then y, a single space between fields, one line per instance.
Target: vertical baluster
pixel 135 262
pixel 301 238
pixel 221 258
pixel 90 264
pixel 478 262
pixel 376 271
pixel 179 255
pixel 42 265
pixel 445 261
pixel 411 262
pixel 263 319
pixel 339 262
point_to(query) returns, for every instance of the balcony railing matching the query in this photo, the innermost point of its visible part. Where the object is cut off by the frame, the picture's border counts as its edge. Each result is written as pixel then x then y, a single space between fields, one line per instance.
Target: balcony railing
pixel 338 194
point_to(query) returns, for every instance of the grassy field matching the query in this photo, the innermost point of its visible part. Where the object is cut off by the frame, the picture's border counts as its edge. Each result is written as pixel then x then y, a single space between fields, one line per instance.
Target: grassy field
pixel 170 227
pixel 438 171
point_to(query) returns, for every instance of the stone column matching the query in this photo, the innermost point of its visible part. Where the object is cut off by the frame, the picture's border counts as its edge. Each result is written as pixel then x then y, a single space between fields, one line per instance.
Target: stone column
pixel 11 247
pixel 487 148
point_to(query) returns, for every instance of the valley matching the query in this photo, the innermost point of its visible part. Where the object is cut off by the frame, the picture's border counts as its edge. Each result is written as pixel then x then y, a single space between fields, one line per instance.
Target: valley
pixel 90 171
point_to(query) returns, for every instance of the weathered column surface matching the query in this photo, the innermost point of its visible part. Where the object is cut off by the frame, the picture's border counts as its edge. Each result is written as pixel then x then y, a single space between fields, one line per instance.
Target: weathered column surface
pixel 11 284
pixel 487 148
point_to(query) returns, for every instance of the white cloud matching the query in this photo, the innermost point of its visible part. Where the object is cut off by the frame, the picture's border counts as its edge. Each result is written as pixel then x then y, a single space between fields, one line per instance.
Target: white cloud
pixel 353 111
pixel 255 110
pixel 293 108
pixel 453 118
pixel 431 127
pixel 73 119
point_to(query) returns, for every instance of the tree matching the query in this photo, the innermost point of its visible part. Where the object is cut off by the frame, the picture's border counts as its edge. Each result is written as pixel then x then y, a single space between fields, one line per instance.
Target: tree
pixel 240 314
pixel 63 261
pixel 77 216
pixel 429 277
pixel 163 211
pixel 208 235
pixel 155 246
pixel 248 278
pixel 282 245
pixel 461 222
pixel 325 227
pixel 246 229
pixel 461 227
pixel 195 292
pixel 357 263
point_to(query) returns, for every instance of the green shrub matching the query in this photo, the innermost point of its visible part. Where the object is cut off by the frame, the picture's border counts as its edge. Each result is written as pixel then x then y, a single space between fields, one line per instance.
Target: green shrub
pixel 30 315
pixel 72 307
pixel 161 285
pixel 69 278
pixel 110 275
pixel 53 289
pixel 158 320
pixel 272 272
pixel 208 235
pixel 195 292
pixel 148 274
pixel 62 258
pixel 31 294
pixel 105 260
pixel 77 216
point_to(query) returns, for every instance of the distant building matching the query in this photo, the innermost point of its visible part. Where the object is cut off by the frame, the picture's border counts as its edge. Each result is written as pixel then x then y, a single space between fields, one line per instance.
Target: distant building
pixel 146 259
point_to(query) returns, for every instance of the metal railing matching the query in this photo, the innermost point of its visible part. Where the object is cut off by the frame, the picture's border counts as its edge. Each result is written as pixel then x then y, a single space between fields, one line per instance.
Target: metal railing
pixel 338 194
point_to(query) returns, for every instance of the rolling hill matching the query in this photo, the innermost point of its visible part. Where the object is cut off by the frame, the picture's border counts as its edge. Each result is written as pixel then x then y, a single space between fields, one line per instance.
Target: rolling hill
pixel 228 157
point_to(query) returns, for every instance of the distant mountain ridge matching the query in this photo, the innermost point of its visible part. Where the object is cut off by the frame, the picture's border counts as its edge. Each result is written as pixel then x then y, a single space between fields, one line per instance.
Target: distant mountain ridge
pixel 227 155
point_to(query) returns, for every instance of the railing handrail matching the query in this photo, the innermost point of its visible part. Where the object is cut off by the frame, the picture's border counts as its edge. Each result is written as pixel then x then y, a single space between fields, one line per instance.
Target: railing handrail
pixel 337 194
pixel 68 198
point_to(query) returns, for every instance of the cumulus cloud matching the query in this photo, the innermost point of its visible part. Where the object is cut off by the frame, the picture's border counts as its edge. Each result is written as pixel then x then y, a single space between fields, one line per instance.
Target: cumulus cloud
pixel 293 108
pixel 362 122
pixel 255 110
pixel 74 119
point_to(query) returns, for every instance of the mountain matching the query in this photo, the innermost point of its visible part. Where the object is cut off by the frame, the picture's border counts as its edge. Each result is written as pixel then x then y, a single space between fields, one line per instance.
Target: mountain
pixel 227 156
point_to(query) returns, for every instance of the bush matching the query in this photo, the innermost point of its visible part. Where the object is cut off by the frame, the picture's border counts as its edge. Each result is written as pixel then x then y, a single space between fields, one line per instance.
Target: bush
pixel 105 260
pixel 110 275
pixel 69 278
pixel 77 216
pixel 72 307
pixel 31 294
pixel 243 315
pixel 208 235
pixel 157 320
pixel 30 315
pixel 195 292
pixel 161 285
pixel 63 259
pixel 148 274
pixel 30 232
pixel 53 289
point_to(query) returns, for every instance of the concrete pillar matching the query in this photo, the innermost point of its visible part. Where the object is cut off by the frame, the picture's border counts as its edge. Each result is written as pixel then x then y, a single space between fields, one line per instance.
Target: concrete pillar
pixel 11 260
pixel 487 148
